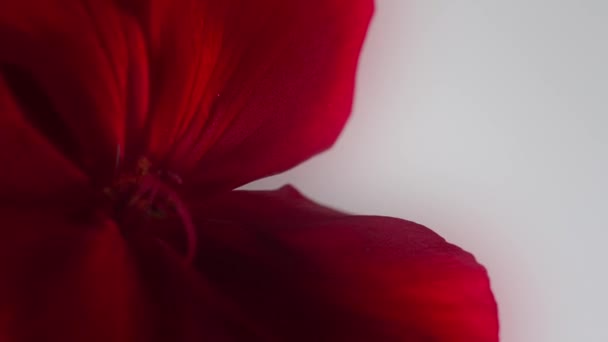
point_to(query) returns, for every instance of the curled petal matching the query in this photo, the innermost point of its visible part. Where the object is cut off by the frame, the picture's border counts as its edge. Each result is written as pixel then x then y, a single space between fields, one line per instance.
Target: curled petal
pixel 308 273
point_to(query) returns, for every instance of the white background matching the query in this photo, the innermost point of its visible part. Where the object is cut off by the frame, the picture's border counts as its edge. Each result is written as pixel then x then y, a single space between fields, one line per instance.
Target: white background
pixel 488 122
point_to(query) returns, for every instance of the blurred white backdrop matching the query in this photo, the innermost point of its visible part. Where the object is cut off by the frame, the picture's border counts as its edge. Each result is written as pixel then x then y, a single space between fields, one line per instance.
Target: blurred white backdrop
pixel 488 122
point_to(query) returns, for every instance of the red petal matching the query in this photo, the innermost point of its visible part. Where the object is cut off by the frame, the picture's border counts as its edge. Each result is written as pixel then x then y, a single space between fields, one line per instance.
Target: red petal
pixel 228 91
pixel 244 89
pixel 65 279
pixel 307 273
pixel 76 68
pixel 31 168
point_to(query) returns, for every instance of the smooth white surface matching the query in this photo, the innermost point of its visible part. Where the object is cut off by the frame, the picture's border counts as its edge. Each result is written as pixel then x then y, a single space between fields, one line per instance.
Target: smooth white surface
pixel 488 122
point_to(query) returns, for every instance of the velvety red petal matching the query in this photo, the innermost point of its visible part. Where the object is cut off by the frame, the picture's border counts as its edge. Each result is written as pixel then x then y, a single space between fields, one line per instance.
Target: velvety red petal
pixel 31 169
pixel 64 281
pixel 244 89
pixel 307 273
pixel 224 92
pixel 70 279
pixel 77 68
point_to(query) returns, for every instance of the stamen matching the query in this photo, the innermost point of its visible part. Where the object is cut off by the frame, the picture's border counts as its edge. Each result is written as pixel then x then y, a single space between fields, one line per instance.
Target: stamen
pixel 150 194
pixel 117 163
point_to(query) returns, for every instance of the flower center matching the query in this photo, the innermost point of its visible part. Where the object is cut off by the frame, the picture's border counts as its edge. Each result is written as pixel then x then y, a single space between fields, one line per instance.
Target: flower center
pixel 150 194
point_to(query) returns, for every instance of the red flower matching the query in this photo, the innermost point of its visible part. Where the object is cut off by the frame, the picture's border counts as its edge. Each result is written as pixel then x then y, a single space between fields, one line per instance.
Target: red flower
pixel 125 124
